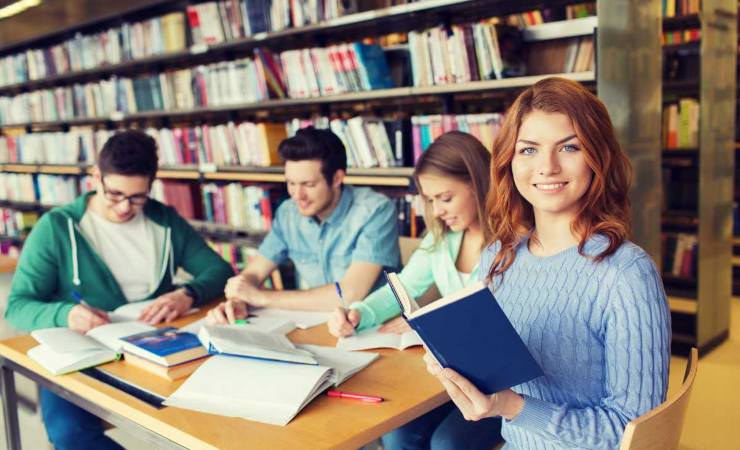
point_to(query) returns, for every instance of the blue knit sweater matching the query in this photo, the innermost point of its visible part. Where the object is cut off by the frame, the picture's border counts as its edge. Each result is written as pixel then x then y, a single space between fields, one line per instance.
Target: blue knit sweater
pixel 601 333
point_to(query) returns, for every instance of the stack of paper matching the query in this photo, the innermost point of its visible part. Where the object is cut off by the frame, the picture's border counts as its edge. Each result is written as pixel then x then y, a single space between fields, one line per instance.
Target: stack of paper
pixel 265 391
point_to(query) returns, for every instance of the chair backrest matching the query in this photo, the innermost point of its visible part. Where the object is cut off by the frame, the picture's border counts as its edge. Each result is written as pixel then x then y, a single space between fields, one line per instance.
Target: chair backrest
pixel 408 246
pixel 660 428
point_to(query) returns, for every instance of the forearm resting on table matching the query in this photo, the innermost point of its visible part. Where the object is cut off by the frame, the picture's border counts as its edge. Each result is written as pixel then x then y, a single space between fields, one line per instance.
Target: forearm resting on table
pixel 356 284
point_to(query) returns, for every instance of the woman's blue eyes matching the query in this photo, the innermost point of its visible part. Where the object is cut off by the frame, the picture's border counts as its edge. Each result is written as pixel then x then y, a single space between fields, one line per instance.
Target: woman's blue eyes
pixel 531 150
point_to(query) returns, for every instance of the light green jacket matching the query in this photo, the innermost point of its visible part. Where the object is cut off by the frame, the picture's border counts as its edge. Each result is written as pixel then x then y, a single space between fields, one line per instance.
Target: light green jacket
pixel 428 265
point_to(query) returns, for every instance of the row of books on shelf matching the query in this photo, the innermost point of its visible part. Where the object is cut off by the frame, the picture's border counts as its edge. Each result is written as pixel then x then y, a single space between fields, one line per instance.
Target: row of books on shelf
pixel 40 188
pixel 680 253
pixel 239 81
pixel 676 8
pixel 216 22
pixel 576 54
pixel 14 223
pixel 681 36
pixel 245 207
pixel 245 144
pixel 207 23
pixel 438 56
pixel 462 53
pixel 115 45
pixel 552 14
pixel 370 141
pixel 681 124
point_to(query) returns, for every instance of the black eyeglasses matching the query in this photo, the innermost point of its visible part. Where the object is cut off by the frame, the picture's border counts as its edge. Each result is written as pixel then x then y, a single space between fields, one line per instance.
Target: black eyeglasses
pixel 118 197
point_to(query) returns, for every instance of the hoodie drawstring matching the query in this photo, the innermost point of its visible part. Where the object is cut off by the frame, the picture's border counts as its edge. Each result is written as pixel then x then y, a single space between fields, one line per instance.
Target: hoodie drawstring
pixel 75 265
pixel 172 254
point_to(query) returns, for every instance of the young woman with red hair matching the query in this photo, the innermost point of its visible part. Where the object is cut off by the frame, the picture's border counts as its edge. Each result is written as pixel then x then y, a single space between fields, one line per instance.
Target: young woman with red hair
pixel 588 303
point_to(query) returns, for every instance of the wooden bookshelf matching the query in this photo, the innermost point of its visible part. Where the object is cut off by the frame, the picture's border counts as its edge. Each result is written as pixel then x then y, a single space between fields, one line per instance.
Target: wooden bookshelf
pixel 351 26
pixel 683 305
pixel 713 161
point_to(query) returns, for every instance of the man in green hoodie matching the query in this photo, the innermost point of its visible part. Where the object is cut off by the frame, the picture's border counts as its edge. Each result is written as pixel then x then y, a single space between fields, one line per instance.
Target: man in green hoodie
pixel 109 247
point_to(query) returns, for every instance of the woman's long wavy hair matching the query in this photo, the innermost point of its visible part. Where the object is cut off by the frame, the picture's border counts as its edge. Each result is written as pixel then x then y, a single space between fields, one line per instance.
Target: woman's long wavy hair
pixel 605 207
pixel 459 156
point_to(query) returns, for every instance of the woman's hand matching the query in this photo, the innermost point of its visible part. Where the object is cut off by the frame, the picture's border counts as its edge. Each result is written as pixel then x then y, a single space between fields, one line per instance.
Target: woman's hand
pixel 472 403
pixel 342 323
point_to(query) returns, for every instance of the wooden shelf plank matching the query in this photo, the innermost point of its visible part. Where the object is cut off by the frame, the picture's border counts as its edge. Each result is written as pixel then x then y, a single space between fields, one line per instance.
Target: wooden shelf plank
pixel 64 170
pixel 560 29
pixel 683 305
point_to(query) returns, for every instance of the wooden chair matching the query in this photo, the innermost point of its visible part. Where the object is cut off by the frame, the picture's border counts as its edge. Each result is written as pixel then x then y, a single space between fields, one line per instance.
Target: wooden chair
pixel 408 246
pixel 660 428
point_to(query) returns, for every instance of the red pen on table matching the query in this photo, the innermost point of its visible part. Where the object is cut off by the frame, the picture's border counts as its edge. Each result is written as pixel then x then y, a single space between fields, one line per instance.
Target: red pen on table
pixel 353 396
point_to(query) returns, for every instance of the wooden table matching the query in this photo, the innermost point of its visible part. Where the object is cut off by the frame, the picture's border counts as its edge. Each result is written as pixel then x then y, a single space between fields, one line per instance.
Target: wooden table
pixel 398 376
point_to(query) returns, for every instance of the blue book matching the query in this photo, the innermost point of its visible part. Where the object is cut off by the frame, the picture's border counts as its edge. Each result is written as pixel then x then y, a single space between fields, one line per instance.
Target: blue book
pixel 164 346
pixel 467 331
pixel 373 67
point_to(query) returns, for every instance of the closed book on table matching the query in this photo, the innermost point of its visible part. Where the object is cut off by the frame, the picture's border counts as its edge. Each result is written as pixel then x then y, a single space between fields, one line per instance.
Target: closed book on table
pixel 467 331
pixel 165 346
pixel 170 373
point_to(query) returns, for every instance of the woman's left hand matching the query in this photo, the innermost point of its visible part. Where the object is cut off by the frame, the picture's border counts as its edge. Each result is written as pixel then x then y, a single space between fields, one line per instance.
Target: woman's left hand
pixel 472 403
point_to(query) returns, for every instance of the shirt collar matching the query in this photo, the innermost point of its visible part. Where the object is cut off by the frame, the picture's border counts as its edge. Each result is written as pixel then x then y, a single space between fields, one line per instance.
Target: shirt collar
pixel 346 196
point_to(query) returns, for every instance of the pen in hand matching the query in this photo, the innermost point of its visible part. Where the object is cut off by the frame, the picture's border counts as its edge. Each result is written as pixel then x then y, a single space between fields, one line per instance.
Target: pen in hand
pixel 342 303
pixel 341 297
pixel 80 301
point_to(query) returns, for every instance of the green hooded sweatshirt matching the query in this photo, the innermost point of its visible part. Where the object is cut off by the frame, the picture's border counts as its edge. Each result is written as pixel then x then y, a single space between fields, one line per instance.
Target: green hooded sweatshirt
pixel 57 259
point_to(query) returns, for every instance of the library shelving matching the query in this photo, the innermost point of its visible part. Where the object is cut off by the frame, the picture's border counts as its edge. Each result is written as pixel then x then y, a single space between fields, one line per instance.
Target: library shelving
pixel 617 45
pixel 699 96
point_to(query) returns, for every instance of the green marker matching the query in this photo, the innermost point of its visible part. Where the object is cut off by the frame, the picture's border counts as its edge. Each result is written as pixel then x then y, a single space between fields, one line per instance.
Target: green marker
pixel 241 322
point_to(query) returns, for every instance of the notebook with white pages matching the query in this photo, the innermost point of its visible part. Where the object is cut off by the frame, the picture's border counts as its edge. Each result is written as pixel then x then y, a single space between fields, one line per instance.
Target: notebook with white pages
pixel 265 391
pixel 250 343
pixel 62 350
pixel 372 338
pixel 301 319
pixel 264 324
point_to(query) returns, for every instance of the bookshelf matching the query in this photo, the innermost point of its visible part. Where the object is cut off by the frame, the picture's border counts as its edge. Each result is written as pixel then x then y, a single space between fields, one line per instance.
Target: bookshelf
pixel 701 176
pixel 625 92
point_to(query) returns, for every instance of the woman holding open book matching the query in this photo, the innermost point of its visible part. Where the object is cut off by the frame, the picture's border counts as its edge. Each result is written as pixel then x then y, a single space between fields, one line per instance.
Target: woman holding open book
pixel 452 176
pixel 588 303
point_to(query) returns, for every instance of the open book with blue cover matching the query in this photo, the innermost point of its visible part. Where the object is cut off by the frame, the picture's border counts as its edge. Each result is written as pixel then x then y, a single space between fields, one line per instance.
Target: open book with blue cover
pixel 468 332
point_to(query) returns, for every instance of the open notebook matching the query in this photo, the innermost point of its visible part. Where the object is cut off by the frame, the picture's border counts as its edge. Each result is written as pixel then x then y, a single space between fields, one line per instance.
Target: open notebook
pixel 63 350
pixel 372 338
pixel 250 343
pixel 264 324
pixel 265 391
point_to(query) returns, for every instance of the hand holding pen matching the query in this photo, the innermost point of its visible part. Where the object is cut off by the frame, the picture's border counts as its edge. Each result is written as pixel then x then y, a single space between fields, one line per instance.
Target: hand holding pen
pixel 83 317
pixel 344 320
